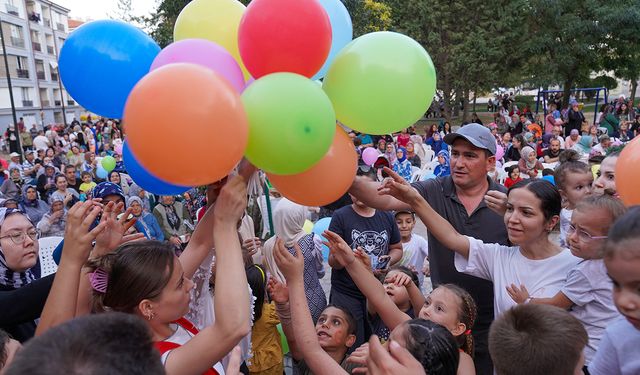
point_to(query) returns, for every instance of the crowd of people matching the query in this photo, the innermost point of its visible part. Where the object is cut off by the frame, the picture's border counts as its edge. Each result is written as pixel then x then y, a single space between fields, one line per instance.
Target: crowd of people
pixel 193 284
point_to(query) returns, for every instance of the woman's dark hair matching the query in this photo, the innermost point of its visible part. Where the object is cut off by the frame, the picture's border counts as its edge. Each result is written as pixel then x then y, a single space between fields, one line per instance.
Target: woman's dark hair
pixel 549 196
pixel 406 271
pixel 111 174
pixel 433 346
pixel 467 314
pixel 569 163
pixel 624 231
pixel 136 271
pixel 257 282
pixel 4 340
pixel 520 139
pixel 55 179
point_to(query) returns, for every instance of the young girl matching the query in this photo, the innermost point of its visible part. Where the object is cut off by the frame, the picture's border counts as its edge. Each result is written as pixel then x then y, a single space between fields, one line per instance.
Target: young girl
pixel 265 339
pixel 443 168
pixel 514 176
pixel 618 350
pixel 448 305
pixel 399 294
pixel 402 166
pixel 535 261
pixel 573 179
pixel 587 291
pixel 528 163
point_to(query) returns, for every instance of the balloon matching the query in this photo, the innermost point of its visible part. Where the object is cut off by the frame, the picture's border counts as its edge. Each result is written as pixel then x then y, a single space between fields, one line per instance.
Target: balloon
pixel 318 229
pixel 335 173
pixel 100 63
pixel 283 339
pixel 186 124
pixel 341 31
pixel 627 176
pixel 205 53
pixel 381 82
pixel 214 20
pixel 108 163
pixel 284 36
pixel 499 151
pixel 146 180
pixel 370 155
pixel 101 172
pixel 291 122
pixel 307 227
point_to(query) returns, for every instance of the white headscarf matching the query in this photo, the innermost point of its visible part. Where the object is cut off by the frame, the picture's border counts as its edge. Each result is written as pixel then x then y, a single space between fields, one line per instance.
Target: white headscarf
pixel 288 221
pixel 8 277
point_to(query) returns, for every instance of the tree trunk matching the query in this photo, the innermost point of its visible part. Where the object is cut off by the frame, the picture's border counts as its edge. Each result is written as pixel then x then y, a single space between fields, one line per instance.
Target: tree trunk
pixel 456 107
pixel 634 87
pixel 475 97
pixel 446 97
pixel 465 105
pixel 566 93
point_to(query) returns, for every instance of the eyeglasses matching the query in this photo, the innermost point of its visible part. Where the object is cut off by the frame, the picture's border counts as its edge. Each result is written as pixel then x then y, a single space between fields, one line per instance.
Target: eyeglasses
pixel 19 237
pixel 364 168
pixel 584 236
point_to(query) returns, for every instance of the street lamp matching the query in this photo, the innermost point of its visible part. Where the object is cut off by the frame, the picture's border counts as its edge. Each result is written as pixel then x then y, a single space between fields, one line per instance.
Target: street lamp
pixel 16 129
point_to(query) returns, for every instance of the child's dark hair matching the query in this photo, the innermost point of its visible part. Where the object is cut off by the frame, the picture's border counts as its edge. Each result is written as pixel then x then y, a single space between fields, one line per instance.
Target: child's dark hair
pixel 623 234
pixel 511 169
pixel 136 271
pixel 256 278
pixel 549 196
pixel 352 327
pixel 569 163
pixel 85 173
pixel 467 314
pixel 405 270
pixel 4 340
pixel 547 172
pixel 433 346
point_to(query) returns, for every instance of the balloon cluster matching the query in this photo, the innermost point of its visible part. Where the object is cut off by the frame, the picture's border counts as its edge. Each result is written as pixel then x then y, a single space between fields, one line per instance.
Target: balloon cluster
pixel 241 82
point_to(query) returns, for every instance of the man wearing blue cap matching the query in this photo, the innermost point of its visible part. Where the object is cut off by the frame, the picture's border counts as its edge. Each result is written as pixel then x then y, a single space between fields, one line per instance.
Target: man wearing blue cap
pixel 459 198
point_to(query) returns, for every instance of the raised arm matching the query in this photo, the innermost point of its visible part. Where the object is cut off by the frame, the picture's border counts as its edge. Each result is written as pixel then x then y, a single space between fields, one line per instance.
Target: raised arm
pixel 440 228
pixel 366 191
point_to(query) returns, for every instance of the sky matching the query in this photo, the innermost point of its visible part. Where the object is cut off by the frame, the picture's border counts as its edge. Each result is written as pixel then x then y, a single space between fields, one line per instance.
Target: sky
pixel 100 9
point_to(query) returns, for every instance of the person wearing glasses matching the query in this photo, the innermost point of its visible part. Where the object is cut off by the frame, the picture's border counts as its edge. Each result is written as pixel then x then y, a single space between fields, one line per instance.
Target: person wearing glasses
pixel 22 292
pixel 587 290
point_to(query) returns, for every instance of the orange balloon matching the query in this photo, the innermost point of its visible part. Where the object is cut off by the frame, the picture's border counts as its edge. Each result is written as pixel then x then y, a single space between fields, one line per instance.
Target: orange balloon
pixel 627 174
pixel 186 124
pixel 326 181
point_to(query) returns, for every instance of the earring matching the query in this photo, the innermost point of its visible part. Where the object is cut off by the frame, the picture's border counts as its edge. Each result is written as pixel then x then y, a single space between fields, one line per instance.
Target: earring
pixel 151 316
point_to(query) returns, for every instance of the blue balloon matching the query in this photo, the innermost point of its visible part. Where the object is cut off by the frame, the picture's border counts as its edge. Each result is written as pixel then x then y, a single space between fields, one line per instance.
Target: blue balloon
pixel 341 31
pixel 101 61
pixel 146 180
pixel 318 228
pixel 101 172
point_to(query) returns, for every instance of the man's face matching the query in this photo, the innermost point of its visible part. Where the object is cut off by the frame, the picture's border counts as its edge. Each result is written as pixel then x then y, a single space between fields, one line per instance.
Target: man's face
pixel 30 156
pixel 555 145
pixel 70 174
pixel 469 164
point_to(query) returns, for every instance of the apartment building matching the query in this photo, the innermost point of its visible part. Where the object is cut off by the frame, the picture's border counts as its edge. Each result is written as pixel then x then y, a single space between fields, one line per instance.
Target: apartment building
pixel 34 31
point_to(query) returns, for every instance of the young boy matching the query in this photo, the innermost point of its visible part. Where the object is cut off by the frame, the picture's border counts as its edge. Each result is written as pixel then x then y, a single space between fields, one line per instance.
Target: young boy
pixel 414 247
pixel 87 183
pixel 537 339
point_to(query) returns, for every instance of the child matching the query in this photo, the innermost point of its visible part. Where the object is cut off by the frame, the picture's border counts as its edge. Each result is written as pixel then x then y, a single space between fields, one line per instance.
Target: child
pixel 587 291
pixel 414 247
pixel 528 163
pixel 402 166
pixel 87 183
pixel 537 339
pixel 265 339
pixel 573 179
pixel 514 176
pixel 618 352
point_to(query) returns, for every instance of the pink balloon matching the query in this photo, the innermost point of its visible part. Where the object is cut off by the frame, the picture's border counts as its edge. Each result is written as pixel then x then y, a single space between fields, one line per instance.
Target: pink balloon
pixel 369 155
pixel 499 152
pixel 249 82
pixel 205 53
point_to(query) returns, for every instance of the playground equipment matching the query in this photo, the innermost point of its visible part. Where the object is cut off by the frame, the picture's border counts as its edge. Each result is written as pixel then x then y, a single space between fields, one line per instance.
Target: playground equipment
pixel 542 94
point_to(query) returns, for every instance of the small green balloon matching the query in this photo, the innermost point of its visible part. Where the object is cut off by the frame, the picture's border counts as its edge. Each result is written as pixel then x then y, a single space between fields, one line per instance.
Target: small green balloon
pixel 381 83
pixel 291 123
pixel 108 163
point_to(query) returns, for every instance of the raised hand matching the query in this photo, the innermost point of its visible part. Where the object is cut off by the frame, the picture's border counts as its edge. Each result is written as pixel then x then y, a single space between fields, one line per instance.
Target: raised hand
pixel 78 235
pixel 399 279
pixel 339 249
pixel 519 295
pixel 232 200
pixel 292 267
pixel 359 357
pixel 363 257
pixel 496 201
pixel 116 228
pixel 398 188
pixel 397 360
pixel 278 291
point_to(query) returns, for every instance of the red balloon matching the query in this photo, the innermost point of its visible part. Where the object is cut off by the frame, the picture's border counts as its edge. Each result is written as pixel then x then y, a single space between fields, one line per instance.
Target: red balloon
pixel 284 36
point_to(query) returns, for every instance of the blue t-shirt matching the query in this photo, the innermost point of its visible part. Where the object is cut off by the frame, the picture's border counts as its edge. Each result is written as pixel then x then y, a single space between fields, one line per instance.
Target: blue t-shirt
pixel 373 234
pixel 366 139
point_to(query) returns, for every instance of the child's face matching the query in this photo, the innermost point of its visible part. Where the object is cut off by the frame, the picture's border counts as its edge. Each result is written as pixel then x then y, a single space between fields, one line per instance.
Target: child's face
pixel 531 157
pixel 332 330
pixel 405 223
pixel 441 159
pixel 624 270
pixel 578 186
pixel 515 173
pixel 588 225
pixel 442 306
pixel 86 178
pixel 398 294
pixel 606 180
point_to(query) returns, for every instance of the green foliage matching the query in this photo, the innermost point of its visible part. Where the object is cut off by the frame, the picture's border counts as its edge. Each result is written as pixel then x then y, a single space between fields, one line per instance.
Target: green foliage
pixel 159 24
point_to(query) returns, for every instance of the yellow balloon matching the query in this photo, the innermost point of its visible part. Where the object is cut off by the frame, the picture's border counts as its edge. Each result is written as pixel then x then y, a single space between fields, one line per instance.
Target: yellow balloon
pixel 214 20
pixel 307 227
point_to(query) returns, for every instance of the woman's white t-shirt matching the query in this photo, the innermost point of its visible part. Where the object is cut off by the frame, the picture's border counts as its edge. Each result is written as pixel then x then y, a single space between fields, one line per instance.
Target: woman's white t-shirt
pixel 181 336
pixel 505 265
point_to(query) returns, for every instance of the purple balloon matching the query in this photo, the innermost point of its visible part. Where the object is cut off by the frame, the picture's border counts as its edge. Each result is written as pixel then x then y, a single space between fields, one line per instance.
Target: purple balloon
pixel 205 53
pixel 370 155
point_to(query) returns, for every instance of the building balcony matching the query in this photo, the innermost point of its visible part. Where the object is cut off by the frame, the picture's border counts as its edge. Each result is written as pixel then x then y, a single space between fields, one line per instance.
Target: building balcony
pixel 27 103
pixel 36 46
pixel 50 50
pixel 22 73
pixel 71 102
pixel 60 27
pixel 17 42
pixel 57 103
pixel 47 22
pixel 13 10
pixel 45 103
pixel 34 17
pixel 54 76
pixel 40 75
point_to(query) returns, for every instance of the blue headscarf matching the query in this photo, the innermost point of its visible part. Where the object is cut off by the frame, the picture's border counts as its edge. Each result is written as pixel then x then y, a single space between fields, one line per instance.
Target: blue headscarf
pixel 445 155
pixel 442 170
pixel 404 154
pixel 104 189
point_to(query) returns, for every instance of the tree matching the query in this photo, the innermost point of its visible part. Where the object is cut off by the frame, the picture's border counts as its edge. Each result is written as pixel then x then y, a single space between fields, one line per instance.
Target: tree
pixel 368 16
pixel 159 24
pixel 123 11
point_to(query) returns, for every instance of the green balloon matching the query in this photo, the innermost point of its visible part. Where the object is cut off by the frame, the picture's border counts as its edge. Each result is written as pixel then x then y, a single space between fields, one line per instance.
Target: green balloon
pixel 108 163
pixel 291 123
pixel 283 339
pixel 381 83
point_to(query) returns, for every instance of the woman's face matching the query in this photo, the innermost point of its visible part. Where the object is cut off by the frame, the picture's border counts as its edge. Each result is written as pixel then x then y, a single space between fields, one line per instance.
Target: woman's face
pixel 31 194
pixel 167 199
pixel 531 157
pixel 389 148
pixel 114 177
pixel 606 180
pixel 623 107
pixel 15 174
pixel 434 128
pixel 382 145
pixel 173 302
pixel 447 126
pixel 50 153
pixel 436 136
pixel 524 218
pixel 19 257
pixel 593 131
pixel 516 143
pixel 441 159
pixel 136 208
pixel 409 147
pixel 56 206
pixel 61 183
pixel 399 154
pixel 506 138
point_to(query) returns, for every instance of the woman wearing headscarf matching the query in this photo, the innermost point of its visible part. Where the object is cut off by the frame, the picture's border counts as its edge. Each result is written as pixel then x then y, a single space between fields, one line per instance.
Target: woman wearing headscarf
pixel 528 163
pixel 54 221
pixel 402 166
pixel 444 167
pixel 382 145
pixel 171 216
pixel 413 158
pixel 146 223
pixel 11 188
pixel 117 179
pixel 148 200
pixel 31 205
pixel 583 147
pixel 435 142
pixel 288 220
pixel 390 153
